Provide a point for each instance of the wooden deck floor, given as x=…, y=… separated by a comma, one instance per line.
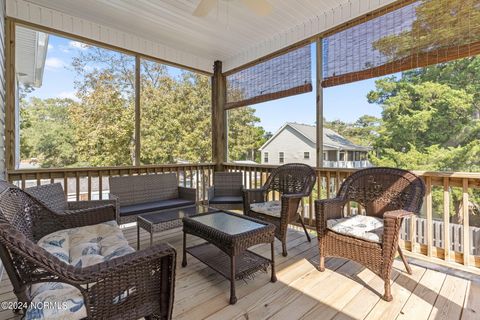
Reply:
x=344, y=291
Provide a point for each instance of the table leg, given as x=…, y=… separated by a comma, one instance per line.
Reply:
x=233, y=297
x=184, y=260
x=274, y=276
x=138, y=237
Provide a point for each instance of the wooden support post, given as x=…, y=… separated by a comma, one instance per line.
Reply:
x=11, y=88
x=319, y=103
x=219, y=130
x=137, y=111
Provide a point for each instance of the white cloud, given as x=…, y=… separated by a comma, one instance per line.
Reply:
x=68, y=95
x=54, y=63
x=78, y=45
x=50, y=47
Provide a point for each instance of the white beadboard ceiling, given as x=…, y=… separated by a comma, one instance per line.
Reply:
x=166, y=29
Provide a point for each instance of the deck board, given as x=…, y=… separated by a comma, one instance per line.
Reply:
x=345, y=291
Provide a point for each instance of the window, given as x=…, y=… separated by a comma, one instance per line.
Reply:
x=306, y=155
x=75, y=103
x=175, y=108
x=265, y=157
x=324, y=156
x=281, y=157
x=342, y=156
x=75, y=106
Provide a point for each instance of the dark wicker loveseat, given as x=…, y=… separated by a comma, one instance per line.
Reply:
x=388, y=195
x=148, y=192
x=137, y=284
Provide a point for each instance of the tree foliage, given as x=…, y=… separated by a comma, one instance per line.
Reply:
x=98, y=127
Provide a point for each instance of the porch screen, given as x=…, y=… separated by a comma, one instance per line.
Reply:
x=278, y=77
x=415, y=34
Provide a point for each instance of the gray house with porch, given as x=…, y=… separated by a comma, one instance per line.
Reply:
x=296, y=142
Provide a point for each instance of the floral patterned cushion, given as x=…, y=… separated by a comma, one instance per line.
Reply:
x=80, y=247
x=358, y=226
x=271, y=208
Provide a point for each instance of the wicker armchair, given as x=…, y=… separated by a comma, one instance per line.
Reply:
x=226, y=192
x=53, y=196
x=388, y=195
x=293, y=181
x=135, y=285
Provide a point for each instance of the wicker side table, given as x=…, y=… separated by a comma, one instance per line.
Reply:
x=162, y=220
x=228, y=237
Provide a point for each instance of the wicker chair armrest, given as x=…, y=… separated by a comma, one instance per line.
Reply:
x=328, y=209
x=254, y=195
x=397, y=214
x=251, y=196
x=187, y=193
x=392, y=222
x=293, y=196
x=128, y=263
x=86, y=217
x=290, y=203
x=77, y=205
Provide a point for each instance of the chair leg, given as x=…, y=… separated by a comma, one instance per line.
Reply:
x=321, y=264
x=388, y=294
x=284, y=248
x=304, y=228
x=405, y=262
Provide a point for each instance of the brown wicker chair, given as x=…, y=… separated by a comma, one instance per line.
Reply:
x=226, y=192
x=53, y=196
x=135, y=285
x=293, y=181
x=387, y=194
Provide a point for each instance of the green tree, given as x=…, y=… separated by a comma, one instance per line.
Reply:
x=245, y=137
x=46, y=132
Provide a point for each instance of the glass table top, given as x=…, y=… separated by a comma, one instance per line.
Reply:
x=227, y=223
x=174, y=214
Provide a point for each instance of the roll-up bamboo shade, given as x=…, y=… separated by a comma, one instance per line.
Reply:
x=282, y=76
x=419, y=34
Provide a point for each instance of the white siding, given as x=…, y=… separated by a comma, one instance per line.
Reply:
x=293, y=145
x=57, y=20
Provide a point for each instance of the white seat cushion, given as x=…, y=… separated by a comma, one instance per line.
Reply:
x=271, y=208
x=358, y=226
x=80, y=247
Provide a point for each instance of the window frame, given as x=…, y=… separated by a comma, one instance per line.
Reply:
x=11, y=146
x=281, y=157
x=306, y=155
x=265, y=157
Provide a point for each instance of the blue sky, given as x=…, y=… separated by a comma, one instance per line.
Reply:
x=346, y=102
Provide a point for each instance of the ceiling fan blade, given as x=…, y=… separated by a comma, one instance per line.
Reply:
x=204, y=7
x=260, y=7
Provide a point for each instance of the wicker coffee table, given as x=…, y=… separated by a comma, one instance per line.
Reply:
x=228, y=237
x=162, y=220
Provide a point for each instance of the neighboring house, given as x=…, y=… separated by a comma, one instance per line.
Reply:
x=295, y=142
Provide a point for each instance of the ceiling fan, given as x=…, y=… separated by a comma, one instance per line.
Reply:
x=259, y=7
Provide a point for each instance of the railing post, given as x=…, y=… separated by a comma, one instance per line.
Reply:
x=466, y=223
x=446, y=218
x=219, y=130
x=429, y=207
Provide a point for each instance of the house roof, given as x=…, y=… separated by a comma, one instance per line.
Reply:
x=331, y=138
x=30, y=55
x=167, y=29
